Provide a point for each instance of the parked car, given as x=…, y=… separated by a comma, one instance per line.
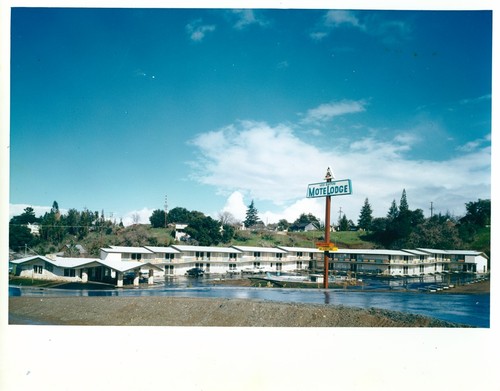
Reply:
x=195, y=272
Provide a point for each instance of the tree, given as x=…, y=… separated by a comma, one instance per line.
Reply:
x=365, y=216
x=392, y=214
x=157, y=218
x=403, y=203
x=226, y=217
x=19, y=237
x=478, y=213
x=435, y=233
x=283, y=225
x=344, y=224
x=205, y=230
x=252, y=217
x=178, y=215
x=304, y=220
x=227, y=233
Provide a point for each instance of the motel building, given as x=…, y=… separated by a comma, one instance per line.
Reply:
x=119, y=263
x=422, y=261
x=83, y=270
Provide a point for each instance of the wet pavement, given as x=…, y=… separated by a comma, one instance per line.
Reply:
x=398, y=294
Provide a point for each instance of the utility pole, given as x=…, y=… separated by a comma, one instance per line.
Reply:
x=432, y=209
x=340, y=213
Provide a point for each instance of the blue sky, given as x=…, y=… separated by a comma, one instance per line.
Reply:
x=114, y=109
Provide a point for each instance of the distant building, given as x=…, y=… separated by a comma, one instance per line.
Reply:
x=34, y=228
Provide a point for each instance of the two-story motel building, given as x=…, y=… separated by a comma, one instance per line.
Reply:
x=158, y=262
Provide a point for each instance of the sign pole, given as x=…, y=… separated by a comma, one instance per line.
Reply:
x=328, y=189
x=328, y=178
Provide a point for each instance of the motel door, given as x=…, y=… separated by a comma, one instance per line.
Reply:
x=354, y=267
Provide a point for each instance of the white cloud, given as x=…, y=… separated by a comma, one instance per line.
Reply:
x=476, y=100
x=141, y=215
x=247, y=17
x=333, y=19
x=388, y=31
x=327, y=111
x=336, y=18
x=197, y=30
x=268, y=163
x=475, y=144
x=236, y=206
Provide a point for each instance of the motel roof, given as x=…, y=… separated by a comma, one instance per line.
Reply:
x=209, y=249
x=74, y=263
x=162, y=250
x=124, y=249
x=59, y=261
x=259, y=249
x=370, y=251
x=433, y=251
x=465, y=252
x=300, y=249
x=415, y=252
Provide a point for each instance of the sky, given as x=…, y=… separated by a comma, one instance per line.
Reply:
x=118, y=110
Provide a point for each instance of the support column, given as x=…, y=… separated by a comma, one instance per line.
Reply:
x=151, y=275
x=85, y=275
x=136, y=277
x=119, y=279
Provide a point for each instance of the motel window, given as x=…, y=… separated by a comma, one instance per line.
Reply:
x=208, y=255
x=279, y=256
x=256, y=254
x=232, y=256
x=49, y=267
x=232, y=266
x=299, y=264
x=169, y=256
x=199, y=254
x=256, y=264
x=279, y=266
x=69, y=272
x=136, y=257
x=299, y=253
x=38, y=269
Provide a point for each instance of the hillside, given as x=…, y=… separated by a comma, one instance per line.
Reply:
x=144, y=235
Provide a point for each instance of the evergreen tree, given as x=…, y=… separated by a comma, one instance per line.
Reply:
x=392, y=214
x=343, y=223
x=403, y=203
x=365, y=216
x=252, y=217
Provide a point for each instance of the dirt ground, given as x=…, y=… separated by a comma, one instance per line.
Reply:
x=175, y=311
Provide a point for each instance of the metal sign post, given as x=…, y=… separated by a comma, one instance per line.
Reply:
x=328, y=189
x=328, y=178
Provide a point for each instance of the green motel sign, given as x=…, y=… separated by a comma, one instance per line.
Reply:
x=327, y=189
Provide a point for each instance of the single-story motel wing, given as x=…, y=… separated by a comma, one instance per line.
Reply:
x=116, y=262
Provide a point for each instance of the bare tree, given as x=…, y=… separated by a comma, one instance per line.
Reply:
x=135, y=218
x=227, y=218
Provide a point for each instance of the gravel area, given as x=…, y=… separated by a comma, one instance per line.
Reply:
x=176, y=311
